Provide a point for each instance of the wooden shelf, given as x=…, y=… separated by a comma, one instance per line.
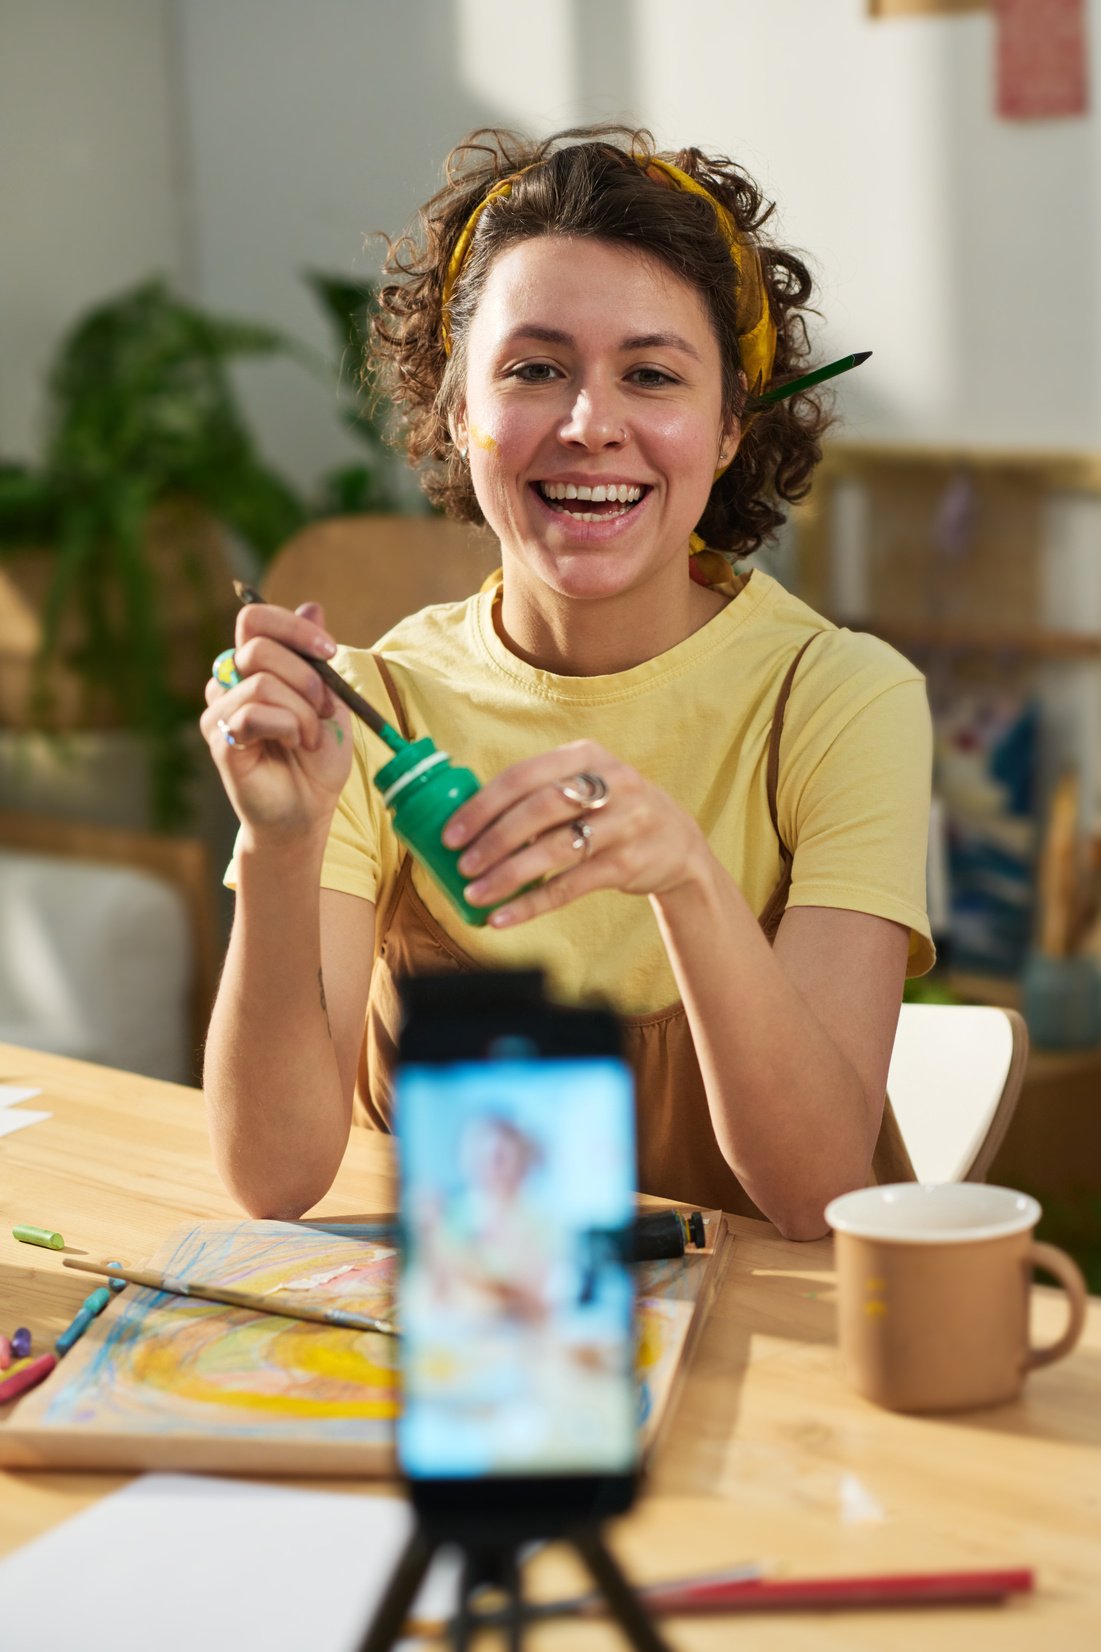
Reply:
x=1005, y=992
x=1074, y=472
x=980, y=639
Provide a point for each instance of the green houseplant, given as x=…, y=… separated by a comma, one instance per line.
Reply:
x=353, y=488
x=143, y=431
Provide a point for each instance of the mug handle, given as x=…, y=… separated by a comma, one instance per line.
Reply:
x=1069, y=1275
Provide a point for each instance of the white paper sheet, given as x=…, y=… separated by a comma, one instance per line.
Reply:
x=180, y=1562
x=16, y=1118
x=11, y=1093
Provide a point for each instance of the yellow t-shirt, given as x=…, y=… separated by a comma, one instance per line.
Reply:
x=853, y=792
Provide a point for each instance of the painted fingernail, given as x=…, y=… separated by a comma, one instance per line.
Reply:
x=454, y=833
x=324, y=646
x=474, y=892
x=501, y=918
x=470, y=863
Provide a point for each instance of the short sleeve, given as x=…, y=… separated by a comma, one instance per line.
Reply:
x=857, y=808
x=352, y=862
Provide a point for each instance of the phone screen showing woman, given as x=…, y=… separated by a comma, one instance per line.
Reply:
x=516, y=1301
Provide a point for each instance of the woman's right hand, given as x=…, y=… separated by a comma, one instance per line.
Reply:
x=291, y=746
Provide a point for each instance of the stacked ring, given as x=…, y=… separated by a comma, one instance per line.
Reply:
x=224, y=670
x=582, y=837
x=588, y=791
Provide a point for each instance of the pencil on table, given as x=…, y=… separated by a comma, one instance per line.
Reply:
x=744, y=1590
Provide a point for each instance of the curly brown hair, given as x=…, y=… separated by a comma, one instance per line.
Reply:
x=592, y=181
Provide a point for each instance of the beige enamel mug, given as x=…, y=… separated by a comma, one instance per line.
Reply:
x=934, y=1282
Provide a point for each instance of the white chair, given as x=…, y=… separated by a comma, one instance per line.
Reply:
x=109, y=946
x=955, y=1076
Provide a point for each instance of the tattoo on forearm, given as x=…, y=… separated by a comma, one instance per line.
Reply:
x=324, y=1005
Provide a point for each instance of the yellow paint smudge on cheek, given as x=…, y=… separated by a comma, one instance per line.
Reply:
x=482, y=439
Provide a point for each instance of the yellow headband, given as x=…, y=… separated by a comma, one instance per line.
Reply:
x=756, y=331
x=462, y=247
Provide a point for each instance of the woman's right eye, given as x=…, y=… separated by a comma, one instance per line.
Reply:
x=534, y=372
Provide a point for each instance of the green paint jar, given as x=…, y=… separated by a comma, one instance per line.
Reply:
x=423, y=788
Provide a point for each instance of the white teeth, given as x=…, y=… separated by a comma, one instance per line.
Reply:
x=623, y=492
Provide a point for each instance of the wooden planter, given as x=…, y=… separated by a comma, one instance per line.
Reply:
x=186, y=551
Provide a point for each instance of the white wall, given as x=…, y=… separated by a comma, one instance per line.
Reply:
x=965, y=251
x=87, y=204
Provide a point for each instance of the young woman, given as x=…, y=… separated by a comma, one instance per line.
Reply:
x=703, y=802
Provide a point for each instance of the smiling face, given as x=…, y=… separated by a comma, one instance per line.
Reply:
x=593, y=416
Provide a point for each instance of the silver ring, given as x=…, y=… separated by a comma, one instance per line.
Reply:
x=228, y=735
x=581, y=837
x=588, y=791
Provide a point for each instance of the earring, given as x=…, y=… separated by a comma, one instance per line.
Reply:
x=462, y=455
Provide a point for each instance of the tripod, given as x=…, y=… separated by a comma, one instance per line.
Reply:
x=490, y=1557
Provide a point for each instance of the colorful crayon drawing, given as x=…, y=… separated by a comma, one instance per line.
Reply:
x=166, y=1381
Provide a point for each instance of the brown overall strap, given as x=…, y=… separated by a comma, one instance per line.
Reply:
x=776, y=904
x=388, y=684
x=405, y=870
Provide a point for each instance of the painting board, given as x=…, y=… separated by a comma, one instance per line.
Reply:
x=169, y=1382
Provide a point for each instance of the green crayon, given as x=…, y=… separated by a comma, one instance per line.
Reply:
x=38, y=1236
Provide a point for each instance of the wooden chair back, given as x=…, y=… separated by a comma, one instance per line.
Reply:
x=368, y=572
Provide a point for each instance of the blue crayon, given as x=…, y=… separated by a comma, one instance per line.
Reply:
x=72, y=1333
x=91, y=1306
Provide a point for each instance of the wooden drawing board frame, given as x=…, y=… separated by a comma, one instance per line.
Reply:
x=28, y=1441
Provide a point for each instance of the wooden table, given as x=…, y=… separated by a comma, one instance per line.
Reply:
x=767, y=1457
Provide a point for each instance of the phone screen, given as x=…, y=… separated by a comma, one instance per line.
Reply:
x=516, y=1303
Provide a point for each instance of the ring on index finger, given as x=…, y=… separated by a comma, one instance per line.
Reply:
x=588, y=791
x=224, y=670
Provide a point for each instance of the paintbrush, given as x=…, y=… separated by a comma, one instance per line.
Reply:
x=333, y=680
x=281, y=1309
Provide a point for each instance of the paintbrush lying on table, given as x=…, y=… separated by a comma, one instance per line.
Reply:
x=281, y=1309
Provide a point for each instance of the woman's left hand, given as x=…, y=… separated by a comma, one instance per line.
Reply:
x=523, y=829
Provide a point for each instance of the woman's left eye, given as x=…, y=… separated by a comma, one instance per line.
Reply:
x=651, y=377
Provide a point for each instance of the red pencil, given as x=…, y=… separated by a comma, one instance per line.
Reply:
x=27, y=1376
x=753, y=1594
x=821, y=1593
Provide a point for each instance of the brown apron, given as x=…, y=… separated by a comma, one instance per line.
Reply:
x=679, y=1157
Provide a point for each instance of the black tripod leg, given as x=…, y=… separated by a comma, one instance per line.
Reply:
x=386, y=1625
x=497, y=1566
x=623, y=1604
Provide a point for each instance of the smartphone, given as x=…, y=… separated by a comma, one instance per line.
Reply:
x=515, y=1125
